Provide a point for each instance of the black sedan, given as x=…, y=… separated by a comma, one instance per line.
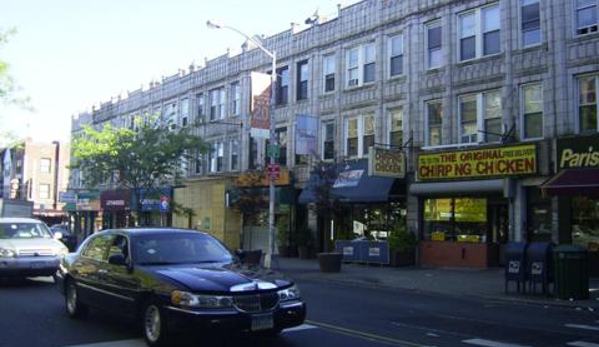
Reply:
x=176, y=280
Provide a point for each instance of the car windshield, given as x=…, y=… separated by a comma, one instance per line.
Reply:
x=178, y=248
x=24, y=231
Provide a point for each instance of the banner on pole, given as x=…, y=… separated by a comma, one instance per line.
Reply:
x=260, y=105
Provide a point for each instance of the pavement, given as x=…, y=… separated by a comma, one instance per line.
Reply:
x=485, y=284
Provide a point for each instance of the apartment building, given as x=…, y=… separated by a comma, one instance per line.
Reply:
x=483, y=99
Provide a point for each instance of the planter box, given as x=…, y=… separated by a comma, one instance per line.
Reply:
x=330, y=262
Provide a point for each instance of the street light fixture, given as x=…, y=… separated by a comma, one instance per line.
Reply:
x=269, y=259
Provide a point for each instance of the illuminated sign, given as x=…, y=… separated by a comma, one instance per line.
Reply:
x=386, y=162
x=479, y=163
x=578, y=152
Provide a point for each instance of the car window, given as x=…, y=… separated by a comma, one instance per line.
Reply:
x=24, y=231
x=178, y=248
x=119, y=245
x=97, y=248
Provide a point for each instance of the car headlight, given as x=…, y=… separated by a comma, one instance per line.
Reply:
x=187, y=299
x=7, y=253
x=291, y=293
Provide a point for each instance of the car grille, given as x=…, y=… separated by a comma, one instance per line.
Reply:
x=256, y=302
x=36, y=253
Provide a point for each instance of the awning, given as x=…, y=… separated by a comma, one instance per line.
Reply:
x=457, y=187
x=573, y=182
x=352, y=185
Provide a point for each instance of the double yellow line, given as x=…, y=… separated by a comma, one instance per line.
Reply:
x=364, y=335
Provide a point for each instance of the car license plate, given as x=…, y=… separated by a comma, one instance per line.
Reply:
x=38, y=264
x=262, y=322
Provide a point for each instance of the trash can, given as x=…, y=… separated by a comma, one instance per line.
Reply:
x=539, y=265
x=515, y=265
x=571, y=272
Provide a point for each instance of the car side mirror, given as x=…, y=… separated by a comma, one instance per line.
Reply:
x=240, y=253
x=117, y=259
x=57, y=235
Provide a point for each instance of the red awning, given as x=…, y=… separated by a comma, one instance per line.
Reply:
x=573, y=182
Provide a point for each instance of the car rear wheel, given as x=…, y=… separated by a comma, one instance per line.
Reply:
x=154, y=325
x=75, y=308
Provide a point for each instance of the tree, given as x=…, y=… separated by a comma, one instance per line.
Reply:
x=143, y=159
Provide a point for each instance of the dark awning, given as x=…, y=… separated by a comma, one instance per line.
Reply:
x=352, y=185
x=573, y=182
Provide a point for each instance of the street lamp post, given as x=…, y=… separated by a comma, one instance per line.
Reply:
x=269, y=260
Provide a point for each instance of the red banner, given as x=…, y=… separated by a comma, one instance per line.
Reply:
x=260, y=105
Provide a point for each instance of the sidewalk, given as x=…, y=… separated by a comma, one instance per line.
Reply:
x=487, y=284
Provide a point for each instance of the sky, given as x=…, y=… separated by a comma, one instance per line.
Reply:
x=68, y=55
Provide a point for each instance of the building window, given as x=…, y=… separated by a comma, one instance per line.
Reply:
x=45, y=165
x=253, y=154
x=328, y=68
x=281, y=136
x=587, y=103
x=369, y=62
x=328, y=140
x=351, y=135
x=236, y=102
x=480, y=117
x=396, y=55
x=532, y=111
x=234, y=160
x=479, y=32
x=455, y=220
x=214, y=97
x=396, y=128
x=530, y=17
x=586, y=16
x=171, y=115
x=493, y=126
x=302, y=80
x=353, y=76
x=200, y=103
x=282, y=86
x=359, y=135
x=585, y=230
x=198, y=163
x=434, y=118
x=434, y=45
x=368, y=133
x=216, y=157
x=44, y=191
x=222, y=103
x=468, y=119
x=184, y=112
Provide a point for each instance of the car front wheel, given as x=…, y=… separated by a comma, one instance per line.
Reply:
x=75, y=308
x=154, y=325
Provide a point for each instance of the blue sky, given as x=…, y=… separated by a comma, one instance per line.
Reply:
x=70, y=54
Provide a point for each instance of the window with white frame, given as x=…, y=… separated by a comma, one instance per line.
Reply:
x=282, y=95
x=434, y=120
x=281, y=136
x=480, y=117
x=587, y=103
x=532, y=111
x=198, y=163
x=369, y=63
x=222, y=103
x=479, y=32
x=183, y=161
x=216, y=157
x=170, y=112
x=396, y=55
x=361, y=65
x=434, y=45
x=236, y=101
x=200, y=104
x=353, y=74
x=302, y=80
x=328, y=140
x=328, y=72
x=45, y=165
x=359, y=135
x=214, y=97
x=184, y=112
x=44, y=191
x=234, y=156
x=530, y=21
x=396, y=127
x=586, y=16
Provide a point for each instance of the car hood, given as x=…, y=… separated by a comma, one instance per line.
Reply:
x=222, y=278
x=31, y=244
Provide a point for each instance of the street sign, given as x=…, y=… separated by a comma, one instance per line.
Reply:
x=273, y=171
x=274, y=151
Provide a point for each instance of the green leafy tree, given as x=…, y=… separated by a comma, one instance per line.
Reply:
x=141, y=160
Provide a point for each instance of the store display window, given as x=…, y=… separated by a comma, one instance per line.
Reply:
x=585, y=222
x=455, y=219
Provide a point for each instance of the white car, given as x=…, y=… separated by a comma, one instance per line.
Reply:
x=27, y=248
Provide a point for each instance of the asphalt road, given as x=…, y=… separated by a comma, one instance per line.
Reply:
x=32, y=314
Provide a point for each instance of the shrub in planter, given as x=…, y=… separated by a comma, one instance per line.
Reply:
x=402, y=245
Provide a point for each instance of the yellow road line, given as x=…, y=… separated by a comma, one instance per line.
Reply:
x=364, y=335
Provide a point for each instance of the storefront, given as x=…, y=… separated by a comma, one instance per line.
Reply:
x=463, y=203
x=365, y=198
x=84, y=212
x=576, y=188
x=155, y=206
x=115, y=208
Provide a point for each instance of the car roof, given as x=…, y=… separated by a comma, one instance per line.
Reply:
x=19, y=220
x=149, y=231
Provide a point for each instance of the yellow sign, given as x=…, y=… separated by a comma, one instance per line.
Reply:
x=253, y=179
x=386, y=162
x=437, y=236
x=478, y=163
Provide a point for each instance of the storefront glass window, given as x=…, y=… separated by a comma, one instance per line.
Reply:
x=539, y=216
x=374, y=221
x=460, y=219
x=585, y=222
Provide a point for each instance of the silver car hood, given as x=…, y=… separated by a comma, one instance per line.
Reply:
x=20, y=245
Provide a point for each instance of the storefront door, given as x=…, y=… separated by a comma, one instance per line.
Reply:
x=498, y=219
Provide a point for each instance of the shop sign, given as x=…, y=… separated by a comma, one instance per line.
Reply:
x=349, y=178
x=115, y=200
x=254, y=179
x=437, y=236
x=88, y=201
x=479, y=163
x=578, y=152
x=386, y=162
x=68, y=197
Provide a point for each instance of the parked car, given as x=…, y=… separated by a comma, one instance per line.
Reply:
x=68, y=238
x=28, y=248
x=176, y=280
